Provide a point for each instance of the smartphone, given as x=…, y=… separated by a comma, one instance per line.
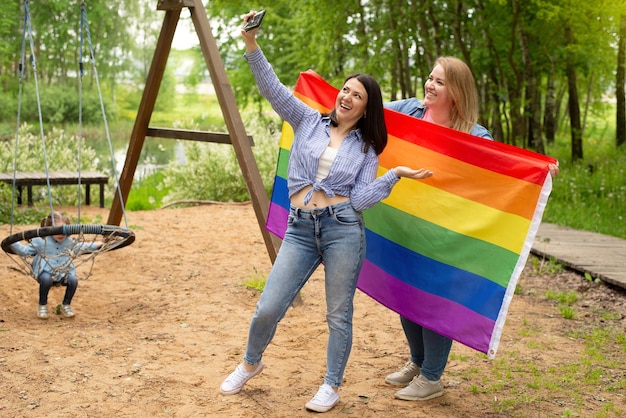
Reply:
x=255, y=22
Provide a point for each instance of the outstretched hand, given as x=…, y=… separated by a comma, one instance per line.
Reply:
x=411, y=173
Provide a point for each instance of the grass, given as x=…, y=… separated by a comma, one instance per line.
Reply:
x=565, y=301
x=518, y=383
x=572, y=363
x=256, y=281
x=546, y=265
x=148, y=193
x=566, y=297
x=590, y=194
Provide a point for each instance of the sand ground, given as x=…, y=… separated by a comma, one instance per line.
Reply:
x=160, y=323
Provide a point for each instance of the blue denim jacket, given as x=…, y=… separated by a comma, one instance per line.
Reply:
x=414, y=107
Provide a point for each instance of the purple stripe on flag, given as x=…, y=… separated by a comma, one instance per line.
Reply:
x=442, y=316
x=277, y=220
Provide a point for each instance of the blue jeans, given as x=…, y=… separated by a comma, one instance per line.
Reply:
x=46, y=282
x=429, y=350
x=334, y=235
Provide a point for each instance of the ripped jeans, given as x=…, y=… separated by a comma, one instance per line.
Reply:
x=334, y=235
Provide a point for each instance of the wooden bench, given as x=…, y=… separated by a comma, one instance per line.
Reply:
x=56, y=178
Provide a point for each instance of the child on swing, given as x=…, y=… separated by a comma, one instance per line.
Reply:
x=52, y=264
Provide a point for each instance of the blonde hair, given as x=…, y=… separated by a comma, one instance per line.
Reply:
x=461, y=88
x=59, y=219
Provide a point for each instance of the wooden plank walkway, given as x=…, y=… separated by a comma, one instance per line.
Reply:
x=601, y=256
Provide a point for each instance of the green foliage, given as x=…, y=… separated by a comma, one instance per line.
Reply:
x=59, y=105
x=256, y=281
x=567, y=312
x=590, y=278
x=566, y=298
x=212, y=172
x=147, y=193
x=61, y=154
x=11, y=214
x=167, y=91
x=8, y=107
x=546, y=266
x=590, y=194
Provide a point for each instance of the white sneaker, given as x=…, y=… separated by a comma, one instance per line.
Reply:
x=324, y=399
x=235, y=381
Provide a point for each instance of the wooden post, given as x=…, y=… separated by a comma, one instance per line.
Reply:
x=238, y=137
x=146, y=107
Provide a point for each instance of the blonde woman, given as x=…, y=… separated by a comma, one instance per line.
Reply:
x=451, y=100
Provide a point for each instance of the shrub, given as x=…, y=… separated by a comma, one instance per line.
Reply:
x=212, y=172
x=60, y=105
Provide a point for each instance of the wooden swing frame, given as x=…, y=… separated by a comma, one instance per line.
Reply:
x=236, y=132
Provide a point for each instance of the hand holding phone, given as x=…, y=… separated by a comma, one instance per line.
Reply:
x=255, y=22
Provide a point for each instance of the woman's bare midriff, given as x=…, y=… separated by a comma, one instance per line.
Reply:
x=318, y=200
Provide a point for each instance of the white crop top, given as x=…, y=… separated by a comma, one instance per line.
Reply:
x=326, y=160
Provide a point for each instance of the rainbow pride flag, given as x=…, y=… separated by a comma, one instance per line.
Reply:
x=445, y=252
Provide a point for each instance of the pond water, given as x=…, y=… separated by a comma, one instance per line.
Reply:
x=156, y=154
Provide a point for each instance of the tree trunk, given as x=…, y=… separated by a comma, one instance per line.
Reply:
x=494, y=100
x=535, y=137
x=459, y=18
x=516, y=84
x=532, y=102
x=587, y=103
x=573, y=105
x=620, y=83
x=549, y=112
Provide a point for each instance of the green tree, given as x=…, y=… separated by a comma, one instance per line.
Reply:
x=56, y=37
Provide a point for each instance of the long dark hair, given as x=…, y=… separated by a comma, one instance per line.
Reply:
x=372, y=125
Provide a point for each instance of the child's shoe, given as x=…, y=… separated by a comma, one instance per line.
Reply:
x=67, y=311
x=42, y=312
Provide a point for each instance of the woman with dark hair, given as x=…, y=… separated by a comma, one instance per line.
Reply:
x=331, y=178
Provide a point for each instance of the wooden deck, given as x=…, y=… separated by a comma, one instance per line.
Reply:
x=601, y=256
x=29, y=180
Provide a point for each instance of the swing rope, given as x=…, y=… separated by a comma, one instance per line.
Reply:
x=85, y=31
x=27, y=30
x=84, y=237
